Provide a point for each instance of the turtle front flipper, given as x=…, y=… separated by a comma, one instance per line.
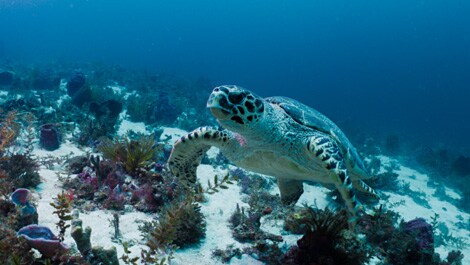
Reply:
x=189, y=150
x=290, y=190
x=327, y=151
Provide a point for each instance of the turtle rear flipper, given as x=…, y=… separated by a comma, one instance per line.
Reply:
x=189, y=150
x=364, y=188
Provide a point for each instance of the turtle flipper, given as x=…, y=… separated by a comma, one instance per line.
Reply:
x=325, y=149
x=364, y=188
x=189, y=150
x=290, y=190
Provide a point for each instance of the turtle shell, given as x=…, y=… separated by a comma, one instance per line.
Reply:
x=313, y=119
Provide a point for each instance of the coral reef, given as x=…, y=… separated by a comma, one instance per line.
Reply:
x=78, y=89
x=75, y=82
x=423, y=233
x=21, y=171
x=76, y=164
x=130, y=174
x=410, y=243
x=386, y=180
x=246, y=227
x=227, y=254
x=44, y=79
x=80, y=235
x=115, y=199
x=296, y=222
x=9, y=130
x=108, y=109
x=326, y=241
x=164, y=112
x=13, y=248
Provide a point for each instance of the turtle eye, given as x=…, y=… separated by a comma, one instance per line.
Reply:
x=236, y=98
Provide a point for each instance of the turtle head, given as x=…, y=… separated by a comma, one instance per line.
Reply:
x=235, y=107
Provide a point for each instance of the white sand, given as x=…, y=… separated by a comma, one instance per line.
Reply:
x=126, y=126
x=219, y=207
x=448, y=213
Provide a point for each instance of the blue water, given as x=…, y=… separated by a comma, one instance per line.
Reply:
x=396, y=66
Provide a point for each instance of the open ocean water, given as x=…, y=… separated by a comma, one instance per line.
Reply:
x=378, y=66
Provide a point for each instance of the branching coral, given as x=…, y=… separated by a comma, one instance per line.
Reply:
x=9, y=130
x=21, y=170
x=63, y=207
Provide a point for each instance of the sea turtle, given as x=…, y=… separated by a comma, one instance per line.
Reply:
x=275, y=136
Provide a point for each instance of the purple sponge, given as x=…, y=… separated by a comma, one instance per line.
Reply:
x=423, y=231
x=42, y=239
x=20, y=197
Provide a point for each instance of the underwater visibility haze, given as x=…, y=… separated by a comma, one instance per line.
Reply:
x=396, y=66
x=243, y=132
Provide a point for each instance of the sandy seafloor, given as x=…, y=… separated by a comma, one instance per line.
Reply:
x=219, y=207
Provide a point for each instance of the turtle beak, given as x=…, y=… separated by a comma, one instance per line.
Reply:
x=215, y=103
